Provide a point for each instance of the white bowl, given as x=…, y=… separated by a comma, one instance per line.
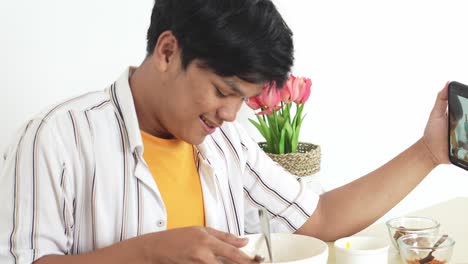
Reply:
x=361, y=250
x=289, y=248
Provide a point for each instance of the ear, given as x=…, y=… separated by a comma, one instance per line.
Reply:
x=166, y=52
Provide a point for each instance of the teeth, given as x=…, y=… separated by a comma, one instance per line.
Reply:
x=206, y=122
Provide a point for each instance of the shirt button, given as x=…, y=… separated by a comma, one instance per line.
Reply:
x=160, y=223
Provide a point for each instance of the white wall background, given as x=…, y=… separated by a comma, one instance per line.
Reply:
x=376, y=68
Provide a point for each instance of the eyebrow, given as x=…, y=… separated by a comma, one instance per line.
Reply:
x=234, y=87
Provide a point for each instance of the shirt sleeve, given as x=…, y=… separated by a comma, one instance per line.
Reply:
x=266, y=184
x=36, y=212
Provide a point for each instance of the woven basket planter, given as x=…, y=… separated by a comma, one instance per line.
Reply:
x=305, y=162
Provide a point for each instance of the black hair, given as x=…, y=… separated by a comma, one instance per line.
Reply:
x=244, y=38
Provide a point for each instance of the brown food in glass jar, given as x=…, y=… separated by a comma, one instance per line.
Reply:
x=399, y=234
x=434, y=261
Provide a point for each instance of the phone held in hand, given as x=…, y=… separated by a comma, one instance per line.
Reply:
x=458, y=124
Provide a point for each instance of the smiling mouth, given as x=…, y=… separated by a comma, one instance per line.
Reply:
x=208, y=123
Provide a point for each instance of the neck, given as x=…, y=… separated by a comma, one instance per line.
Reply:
x=142, y=83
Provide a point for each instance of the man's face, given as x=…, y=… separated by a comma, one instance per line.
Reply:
x=196, y=101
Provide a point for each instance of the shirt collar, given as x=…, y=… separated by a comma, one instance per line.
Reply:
x=121, y=96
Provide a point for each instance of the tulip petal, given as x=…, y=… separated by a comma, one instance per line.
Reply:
x=254, y=103
x=265, y=112
x=306, y=92
x=270, y=96
x=285, y=95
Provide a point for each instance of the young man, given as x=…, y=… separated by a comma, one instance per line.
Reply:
x=154, y=170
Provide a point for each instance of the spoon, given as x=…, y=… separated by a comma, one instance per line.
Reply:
x=265, y=225
x=258, y=258
x=429, y=256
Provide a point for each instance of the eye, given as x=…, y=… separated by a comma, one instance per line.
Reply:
x=219, y=93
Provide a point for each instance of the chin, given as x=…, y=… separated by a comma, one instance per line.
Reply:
x=198, y=141
x=195, y=140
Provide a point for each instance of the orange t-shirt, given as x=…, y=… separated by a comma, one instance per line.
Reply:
x=172, y=164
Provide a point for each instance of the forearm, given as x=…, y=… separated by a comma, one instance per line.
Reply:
x=352, y=207
x=128, y=251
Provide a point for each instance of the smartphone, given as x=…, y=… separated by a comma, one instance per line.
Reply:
x=458, y=124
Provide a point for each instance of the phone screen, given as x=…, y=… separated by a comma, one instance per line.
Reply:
x=458, y=124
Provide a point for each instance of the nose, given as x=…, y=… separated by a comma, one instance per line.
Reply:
x=229, y=110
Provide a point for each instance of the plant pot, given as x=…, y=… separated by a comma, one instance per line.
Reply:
x=305, y=162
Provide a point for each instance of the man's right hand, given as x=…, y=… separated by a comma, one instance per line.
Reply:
x=181, y=245
x=195, y=245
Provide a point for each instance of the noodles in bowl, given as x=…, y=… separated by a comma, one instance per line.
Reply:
x=288, y=248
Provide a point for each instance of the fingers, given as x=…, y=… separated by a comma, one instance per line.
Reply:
x=231, y=254
x=228, y=238
x=227, y=261
x=226, y=247
x=440, y=107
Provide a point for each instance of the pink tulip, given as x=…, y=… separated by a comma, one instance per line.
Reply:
x=270, y=96
x=286, y=91
x=295, y=87
x=288, y=94
x=285, y=95
x=254, y=103
x=303, y=88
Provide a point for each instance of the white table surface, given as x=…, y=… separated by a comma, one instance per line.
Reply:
x=453, y=218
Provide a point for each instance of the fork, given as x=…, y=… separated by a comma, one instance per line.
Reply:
x=429, y=256
x=265, y=226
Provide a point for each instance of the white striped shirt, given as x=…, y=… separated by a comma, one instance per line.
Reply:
x=75, y=180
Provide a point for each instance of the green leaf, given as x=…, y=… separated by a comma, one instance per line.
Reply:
x=281, y=142
x=287, y=112
x=280, y=133
x=259, y=128
x=294, y=142
x=275, y=122
x=266, y=131
x=274, y=134
x=281, y=121
x=288, y=137
x=297, y=117
x=299, y=123
x=288, y=129
x=296, y=135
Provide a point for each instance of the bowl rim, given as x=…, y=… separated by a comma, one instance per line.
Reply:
x=378, y=250
x=388, y=223
x=324, y=249
x=401, y=244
